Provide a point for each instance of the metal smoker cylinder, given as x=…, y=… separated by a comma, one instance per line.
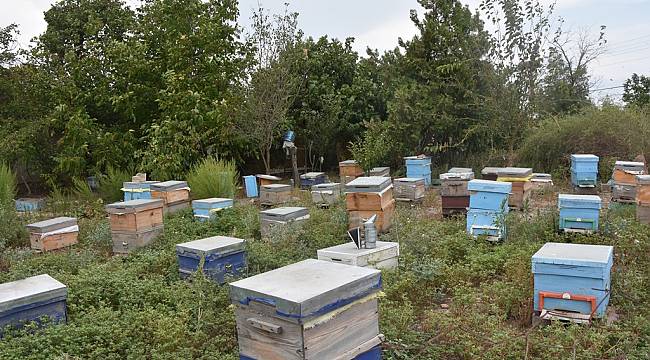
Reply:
x=370, y=232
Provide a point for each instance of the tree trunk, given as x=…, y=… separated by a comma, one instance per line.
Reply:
x=294, y=165
x=266, y=158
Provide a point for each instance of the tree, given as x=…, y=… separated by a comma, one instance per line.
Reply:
x=636, y=90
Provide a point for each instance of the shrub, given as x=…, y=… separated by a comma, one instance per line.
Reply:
x=110, y=185
x=375, y=148
x=12, y=229
x=213, y=178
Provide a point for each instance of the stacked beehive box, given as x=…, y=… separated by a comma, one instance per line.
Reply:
x=309, y=310
x=379, y=171
x=29, y=204
x=250, y=186
x=579, y=213
x=135, y=190
x=326, y=194
x=175, y=195
x=409, y=189
x=488, y=208
x=275, y=194
x=135, y=223
x=349, y=170
x=572, y=281
x=219, y=257
x=368, y=196
x=521, y=185
x=384, y=256
x=490, y=173
x=643, y=199
x=53, y=234
x=207, y=209
x=541, y=181
x=624, y=181
x=584, y=172
x=268, y=179
x=272, y=219
x=33, y=299
x=454, y=193
x=312, y=178
x=419, y=167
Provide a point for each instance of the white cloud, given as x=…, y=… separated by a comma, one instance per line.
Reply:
x=384, y=36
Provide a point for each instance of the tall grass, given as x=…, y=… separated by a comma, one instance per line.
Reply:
x=213, y=178
x=7, y=184
x=110, y=185
x=11, y=228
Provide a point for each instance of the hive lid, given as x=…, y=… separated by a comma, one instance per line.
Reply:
x=368, y=184
x=28, y=291
x=168, y=185
x=584, y=157
x=411, y=181
x=284, y=213
x=348, y=163
x=212, y=245
x=629, y=166
x=276, y=187
x=138, y=184
x=489, y=186
x=541, y=176
x=460, y=170
x=312, y=175
x=579, y=201
x=417, y=157
x=52, y=224
x=208, y=203
x=326, y=186
x=574, y=254
x=515, y=172
x=131, y=206
x=350, y=250
x=307, y=288
x=268, y=177
x=643, y=179
x=490, y=170
x=380, y=170
x=457, y=176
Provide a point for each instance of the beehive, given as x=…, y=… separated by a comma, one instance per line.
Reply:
x=455, y=183
x=268, y=179
x=272, y=219
x=312, y=178
x=380, y=171
x=32, y=299
x=384, y=256
x=275, y=194
x=625, y=172
x=488, y=208
x=349, y=170
x=367, y=196
x=308, y=310
x=579, y=212
x=175, y=195
x=624, y=193
x=220, y=257
x=326, y=194
x=53, y=234
x=643, y=199
x=584, y=170
x=572, y=280
x=409, y=189
x=541, y=181
x=490, y=173
x=29, y=204
x=206, y=209
x=250, y=183
x=419, y=167
x=454, y=205
x=521, y=185
x=137, y=190
x=135, y=223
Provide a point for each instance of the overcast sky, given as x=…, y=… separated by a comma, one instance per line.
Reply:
x=378, y=24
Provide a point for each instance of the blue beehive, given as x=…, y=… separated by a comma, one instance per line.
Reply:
x=29, y=204
x=206, y=209
x=32, y=299
x=584, y=170
x=490, y=223
x=579, y=212
x=137, y=190
x=489, y=195
x=250, y=183
x=222, y=257
x=572, y=278
x=419, y=167
x=312, y=178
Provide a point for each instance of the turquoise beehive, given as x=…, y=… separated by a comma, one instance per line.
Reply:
x=419, y=167
x=579, y=212
x=584, y=170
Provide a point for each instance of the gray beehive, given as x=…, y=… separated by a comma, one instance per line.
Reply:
x=168, y=186
x=276, y=188
x=50, y=225
x=368, y=184
x=515, y=172
x=384, y=256
x=284, y=213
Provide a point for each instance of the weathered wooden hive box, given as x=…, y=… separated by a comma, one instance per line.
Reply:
x=29, y=204
x=384, y=256
x=419, y=167
x=53, y=234
x=309, y=310
x=250, y=185
x=625, y=172
x=312, y=178
x=137, y=190
x=379, y=171
x=367, y=196
x=326, y=194
x=490, y=173
x=572, y=279
x=275, y=194
x=579, y=213
x=349, y=170
x=268, y=179
x=488, y=208
x=272, y=219
x=135, y=223
x=207, y=209
x=455, y=183
x=409, y=189
x=541, y=181
x=643, y=199
x=175, y=194
x=521, y=185
x=624, y=193
x=584, y=170
x=32, y=299
x=221, y=257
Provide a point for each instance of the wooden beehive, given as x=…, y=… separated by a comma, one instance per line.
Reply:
x=350, y=168
x=643, y=213
x=379, y=171
x=490, y=173
x=135, y=223
x=275, y=194
x=521, y=185
x=53, y=234
x=643, y=189
x=454, y=205
x=384, y=256
x=624, y=193
x=455, y=183
x=384, y=217
x=272, y=219
x=312, y=178
x=326, y=194
x=219, y=257
x=308, y=310
x=175, y=194
x=409, y=189
x=360, y=201
x=268, y=179
x=625, y=172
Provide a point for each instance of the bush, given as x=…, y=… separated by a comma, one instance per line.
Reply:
x=375, y=148
x=213, y=178
x=110, y=185
x=12, y=229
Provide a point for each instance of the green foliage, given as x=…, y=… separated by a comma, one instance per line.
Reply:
x=213, y=178
x=110, y=185
x=375, y=148
x=637, y=90
x=7, y=184
x=12, y=228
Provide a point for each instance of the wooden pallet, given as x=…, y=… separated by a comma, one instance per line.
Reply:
x=624, y=200
x=565, y=316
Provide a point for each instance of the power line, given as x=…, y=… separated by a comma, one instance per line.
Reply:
x=607, y=88
x=624, y=61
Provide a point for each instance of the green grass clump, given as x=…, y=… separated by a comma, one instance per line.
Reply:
x=110, y=185
x=11, y=228
x=213, y=178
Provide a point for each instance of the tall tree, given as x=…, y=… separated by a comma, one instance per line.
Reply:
x=637, y=90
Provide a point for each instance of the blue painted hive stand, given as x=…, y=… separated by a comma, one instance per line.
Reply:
x=419, y=167
x=572, y=281
x=207, y=209
x=221, y=257
x=579, y=213
x=584, y=170
x=309, y=310
x=312, y=178
x=137, y=190
x=32, y=299
x=29, y=204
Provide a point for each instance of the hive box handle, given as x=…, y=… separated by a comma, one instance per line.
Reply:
x=264, y=326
